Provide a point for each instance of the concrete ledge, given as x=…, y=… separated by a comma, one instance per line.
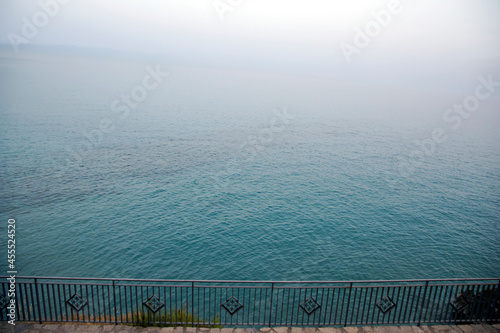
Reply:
x=93, y=328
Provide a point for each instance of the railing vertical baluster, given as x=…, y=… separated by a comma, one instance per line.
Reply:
x=125, y=302
x=89, y=298
x=93, y=303
x=305, y=297
x=271, y=305
x=445, y=305
x=423, y=303
x=61, y=310
x=277, y=305
x=192, y=304
x=337, y=307
x=371, y=304
x=254, y=303
x=104, y=303
x=98, y=303
x=288, y=299
x=482, y=288
x=43, y=301
x=20, y=296
x=321, y=302
x=361, y=289
x=109, y=303
x=55, y=305
x=38, y=303
x=260, y=305
x=181, y=287
x=249, y=303
x=26, y=301
x=470, y=314
x=137, y=307
x=462, y=313
x=377, y=298
x=83, y=308
x=241, y=312
x=165, y=307
x=175, y=304
x=331, y=306
x=120, y=302
x=215, y=302
x=348, y=304
x=282, y=307
x=300, y=301
x=431, y=312
x=393, y=289
x=114, y=302
x=220, y=302
x=364, y=307
x=405, y=320
x=209, y=302
x=70, y=293
x=353, y=306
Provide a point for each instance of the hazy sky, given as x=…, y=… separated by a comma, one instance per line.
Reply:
x=444, y=29
x=444, y=42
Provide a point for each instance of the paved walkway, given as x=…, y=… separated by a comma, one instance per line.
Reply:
x=46, y=328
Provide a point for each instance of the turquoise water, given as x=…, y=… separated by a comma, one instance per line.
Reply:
x=204, y=181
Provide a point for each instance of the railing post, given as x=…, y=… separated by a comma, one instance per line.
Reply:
x=38, y=303
x=271, y=305
x=348, y=303
x=423, y=303
x=496, y=299
x=114, y=302
x=494, y=303
x=192, y=304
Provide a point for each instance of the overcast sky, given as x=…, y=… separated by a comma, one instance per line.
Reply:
x=443, y=41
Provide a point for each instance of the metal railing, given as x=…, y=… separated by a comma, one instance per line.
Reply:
x=251, y=303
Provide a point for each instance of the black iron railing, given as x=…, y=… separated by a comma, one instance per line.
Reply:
x=251, y=303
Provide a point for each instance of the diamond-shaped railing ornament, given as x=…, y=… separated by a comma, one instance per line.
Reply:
x=310, y=305
x=3, y=301
x=385, y=304
x=77, y=302
x=154, y=304
x=232, y=305
x=459, y=302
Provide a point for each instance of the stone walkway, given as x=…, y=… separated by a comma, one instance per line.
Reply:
x=46, y=328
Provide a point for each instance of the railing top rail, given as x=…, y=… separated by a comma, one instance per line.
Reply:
x=248, y=281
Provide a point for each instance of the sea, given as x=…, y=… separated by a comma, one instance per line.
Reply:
x=127, y=168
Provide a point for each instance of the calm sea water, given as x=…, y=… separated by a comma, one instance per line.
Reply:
x=232, y=175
